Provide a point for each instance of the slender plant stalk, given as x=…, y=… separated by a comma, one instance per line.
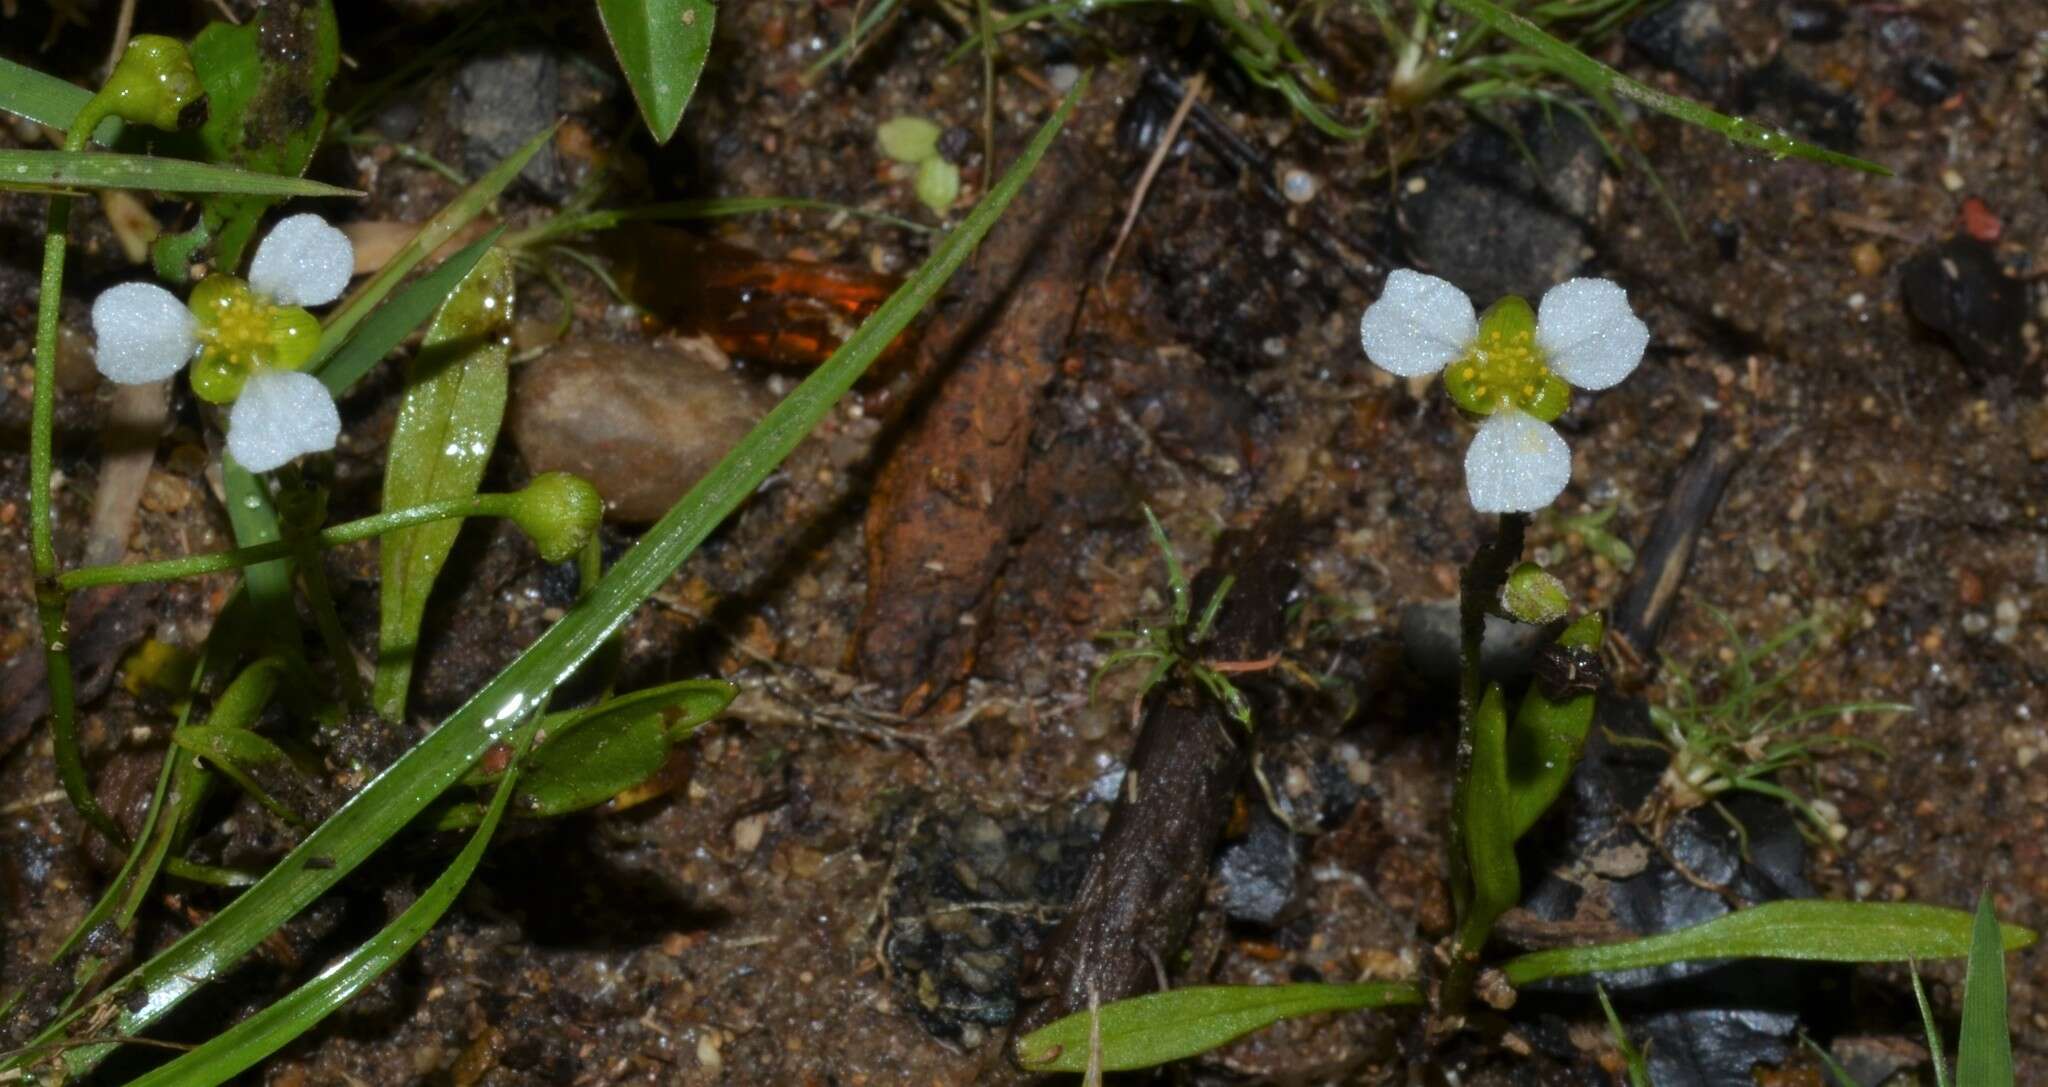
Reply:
x=50, y=596
x=482, y=505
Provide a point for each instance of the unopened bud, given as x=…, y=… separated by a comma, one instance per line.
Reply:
x=153, y=84
x=560, y=513
x=1533, y=596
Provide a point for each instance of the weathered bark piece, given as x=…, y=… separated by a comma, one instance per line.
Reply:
x=1152, y=866
x=947, y=500
x=1646, y=605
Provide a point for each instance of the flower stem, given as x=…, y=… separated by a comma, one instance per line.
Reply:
x=482, y=505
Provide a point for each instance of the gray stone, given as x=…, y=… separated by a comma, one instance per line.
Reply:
x=1499, y=219
x=502, y=101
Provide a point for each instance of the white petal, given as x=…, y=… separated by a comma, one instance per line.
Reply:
x=281, y=415
x=144, y=333
x=304, y=262
x=1587, y=333
x=1516, y=464
x=1419, y=325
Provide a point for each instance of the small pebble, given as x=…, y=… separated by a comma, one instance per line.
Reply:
x=641, y=423
x=1813, y=20
x=1928, y=81
x=1298, y=184
x=1869, y=260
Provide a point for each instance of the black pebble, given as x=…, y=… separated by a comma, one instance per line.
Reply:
x=1928, y=81
x=1813, y=20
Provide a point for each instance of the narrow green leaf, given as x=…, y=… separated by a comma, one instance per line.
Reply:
x=232, y=751
x=1932, y=1030
x=661, y=46
x=239, y=1047
x=266, y=96
x=1984, y=1055
x=392, y=322
x=1638, y=1064
x=403, y=789
x=682, y=706
x=1547, y=739
x=447, y=426
x=1804, y=929
x=1598, y=78
x=254, y=521
x=1151, y=1030
x=581, y=770
x=47, y=100
x=45, y=170
x=1482, y=806
x=467, y=205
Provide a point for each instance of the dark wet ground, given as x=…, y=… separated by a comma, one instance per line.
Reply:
x=864, y=849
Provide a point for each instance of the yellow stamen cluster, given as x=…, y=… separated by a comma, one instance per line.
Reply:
x=1505, y=369
x=241, y=331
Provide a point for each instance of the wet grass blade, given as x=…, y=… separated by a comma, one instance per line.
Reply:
x=467, y=205
x=237, y=1048
x=1984, y=1055
x=385, y=329
x=47, y=100
x=662, y=46
x=1932, y=1029
x=455, y=390
x=1803, y=929
x=45, y=170
x=1598, y=78
x=391, y=799
x=1156, y=1028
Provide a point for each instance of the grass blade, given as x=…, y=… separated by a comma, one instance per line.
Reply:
x=41, y=171
x=47, y=100
x=1598, y=78
x=1159, y=1027
x=1984, y=1055
x=467, y=205
x=1932, y=1029
x=406, y=787
x=455, y=390
x=1803, y=929
x=242, y=1045
x=662, y=46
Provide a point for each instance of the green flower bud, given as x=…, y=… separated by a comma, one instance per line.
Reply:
x=908, y=139
x=1533, y=596
x=153, y=84
x=938, y=184
x=559, y=512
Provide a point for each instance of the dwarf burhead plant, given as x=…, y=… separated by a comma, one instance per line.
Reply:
x=1512, y=370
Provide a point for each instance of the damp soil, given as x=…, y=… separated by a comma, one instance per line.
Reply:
x=863, y=858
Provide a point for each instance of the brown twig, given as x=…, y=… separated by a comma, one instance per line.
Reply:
x=1172, y=133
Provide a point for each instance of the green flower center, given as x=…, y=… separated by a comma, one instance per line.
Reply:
x=1505, y=369
x=240, y=331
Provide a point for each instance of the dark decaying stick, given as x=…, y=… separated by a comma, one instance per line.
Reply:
x=1150, y=871
x=1646, y=605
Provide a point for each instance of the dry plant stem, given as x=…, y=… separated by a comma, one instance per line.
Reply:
x=1150, y=872
x=1159, y=153
x=1479, y=585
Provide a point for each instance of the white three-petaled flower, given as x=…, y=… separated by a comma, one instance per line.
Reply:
x=1584, y=333
x=146, y=334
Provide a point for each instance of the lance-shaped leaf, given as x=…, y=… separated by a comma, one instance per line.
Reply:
x=1984, y=1055
x=661, y=46
x=1547, y=738
x=1159, y=1027
x=682, y=707
x=447, y=426
x=1803, y=929
x=47, y=100
x=1481, y=804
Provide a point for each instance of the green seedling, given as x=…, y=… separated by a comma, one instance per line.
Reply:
x=1177, y=643
x=1735, y=727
